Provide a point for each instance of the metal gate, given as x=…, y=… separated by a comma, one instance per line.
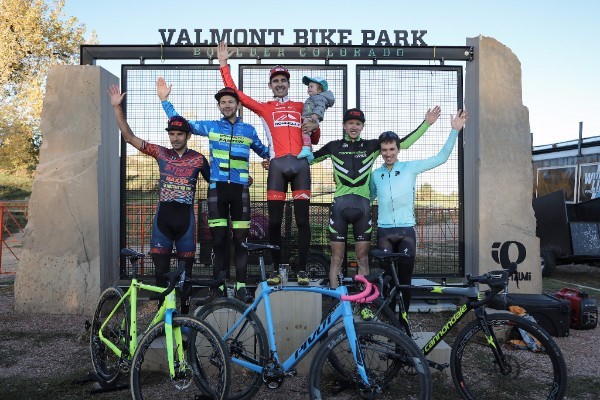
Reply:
x=392, y=97
x=396, y=97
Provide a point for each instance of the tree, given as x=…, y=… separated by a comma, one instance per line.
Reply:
x=35, y=36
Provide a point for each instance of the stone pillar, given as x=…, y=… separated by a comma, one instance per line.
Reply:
x=71, y=243
x=499, y=219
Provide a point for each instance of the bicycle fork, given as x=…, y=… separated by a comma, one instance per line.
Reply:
x=354, y=344
x=492, y=341
x=174, y=338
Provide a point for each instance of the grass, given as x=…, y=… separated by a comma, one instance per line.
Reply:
x=583, y=279
x=15, y=186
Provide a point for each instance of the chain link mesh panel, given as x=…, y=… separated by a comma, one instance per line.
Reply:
x=192, y=95
x=253, y=80
x=396, y=98
x=392, y=97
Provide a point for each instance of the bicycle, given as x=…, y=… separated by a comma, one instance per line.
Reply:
x=174, y=351
x=497, y=355
x=378, y=355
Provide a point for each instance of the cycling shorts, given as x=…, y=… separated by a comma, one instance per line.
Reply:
x=288, y=170
x=397, y=240
x=350, y=209
x=228, y=200
x=174, y=223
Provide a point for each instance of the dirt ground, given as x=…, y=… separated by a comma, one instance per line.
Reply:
x=46, y=356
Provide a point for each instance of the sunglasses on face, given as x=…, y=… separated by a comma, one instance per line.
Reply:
x=388, y=135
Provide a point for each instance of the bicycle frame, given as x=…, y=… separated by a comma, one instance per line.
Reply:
x=165, y=312
x=344, y=312
x=474, y=303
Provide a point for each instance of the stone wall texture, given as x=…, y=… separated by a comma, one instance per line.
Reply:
x=70, y=248
x=498, y=173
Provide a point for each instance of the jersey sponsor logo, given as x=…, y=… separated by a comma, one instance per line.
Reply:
x=286, y=118
x=301, y=194
x=182, y=180
x=179, y=171
x=275, y=195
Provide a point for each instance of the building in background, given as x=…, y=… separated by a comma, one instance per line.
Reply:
x=572, y=166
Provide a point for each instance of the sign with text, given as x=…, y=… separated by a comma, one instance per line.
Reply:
x=301, y=37
x=589, y=181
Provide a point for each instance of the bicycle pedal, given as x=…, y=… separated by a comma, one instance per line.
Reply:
x=291, y=373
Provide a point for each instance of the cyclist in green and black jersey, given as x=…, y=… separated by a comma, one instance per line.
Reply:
x=352, y=159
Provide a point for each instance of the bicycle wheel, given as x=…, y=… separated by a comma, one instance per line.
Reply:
x=206, y=364
x=105, y=362
x=248, y=342
x=394, y=365
x=531, y=373
x=384, y=316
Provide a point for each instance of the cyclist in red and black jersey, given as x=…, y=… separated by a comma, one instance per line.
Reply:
x=179, y=167
x=282, y=120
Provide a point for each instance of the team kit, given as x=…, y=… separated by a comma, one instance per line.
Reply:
x=292, y=129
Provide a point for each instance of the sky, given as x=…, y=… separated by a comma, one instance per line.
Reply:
x=556, y=42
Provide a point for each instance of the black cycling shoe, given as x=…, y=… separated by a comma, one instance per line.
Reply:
x=244, y=295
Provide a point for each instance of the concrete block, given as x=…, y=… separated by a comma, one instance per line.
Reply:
x=497, y=165
x=295, y=316
x=440, y=354
x=70, y=246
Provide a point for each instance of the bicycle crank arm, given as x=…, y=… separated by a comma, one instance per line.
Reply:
x=438, y=366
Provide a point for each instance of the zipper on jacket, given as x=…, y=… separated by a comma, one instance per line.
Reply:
x=391, y=196
x=230, y=144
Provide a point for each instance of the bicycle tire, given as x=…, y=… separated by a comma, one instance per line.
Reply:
x=107, y=365
x=248, y=341
x=532, y=375
x=393, y=362
x=206, y=364
x=385, y=316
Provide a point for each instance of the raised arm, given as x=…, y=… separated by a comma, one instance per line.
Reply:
x=116, y=98
x=163, y=90
x=430, y=117
x=457, y=122
x=223, y=55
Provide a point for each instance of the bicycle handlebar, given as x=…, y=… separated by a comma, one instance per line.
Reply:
x=172, y=277
x=369, y=294
x=496, y=280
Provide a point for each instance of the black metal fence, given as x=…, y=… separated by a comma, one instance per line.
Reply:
x=392, y=97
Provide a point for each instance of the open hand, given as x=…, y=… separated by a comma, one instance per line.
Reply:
x=162, y=90
x=223, y=54
x=116, y=97
x=458, y=121
x=432, y=115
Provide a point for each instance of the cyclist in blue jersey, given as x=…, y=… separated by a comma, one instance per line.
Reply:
x=179, y=168
x=230, y=142
x=393, y=184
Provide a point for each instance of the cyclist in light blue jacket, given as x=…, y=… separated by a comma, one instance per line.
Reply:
x=393, y=184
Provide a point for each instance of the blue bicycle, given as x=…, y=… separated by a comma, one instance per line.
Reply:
x=376, y=360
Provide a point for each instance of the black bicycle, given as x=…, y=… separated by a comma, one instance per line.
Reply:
x=497, y=355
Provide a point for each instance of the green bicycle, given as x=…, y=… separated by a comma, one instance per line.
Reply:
x=176, y=354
